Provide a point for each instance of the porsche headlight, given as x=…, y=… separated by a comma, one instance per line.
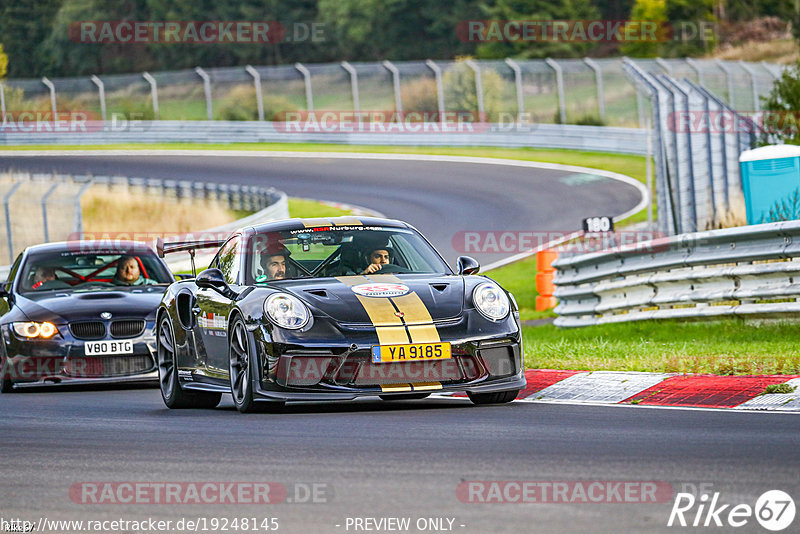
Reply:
x=286, y=311
x=491, y=301
x=32, y=330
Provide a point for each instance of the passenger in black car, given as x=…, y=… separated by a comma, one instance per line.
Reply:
x=129, y=274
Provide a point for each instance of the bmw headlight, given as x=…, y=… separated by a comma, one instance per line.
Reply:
x=286, y=311
x=491, y=301
x=32, y=330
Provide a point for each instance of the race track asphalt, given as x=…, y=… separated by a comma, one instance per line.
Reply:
x=439, y=199
x=378, y=459
x=372, y=459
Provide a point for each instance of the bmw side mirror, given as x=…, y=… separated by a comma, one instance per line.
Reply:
x=467, y=266
x=211, y=279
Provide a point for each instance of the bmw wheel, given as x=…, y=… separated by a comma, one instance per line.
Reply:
x=174, y=395
x=6, y=384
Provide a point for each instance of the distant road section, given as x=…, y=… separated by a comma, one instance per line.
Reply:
x=487, y=211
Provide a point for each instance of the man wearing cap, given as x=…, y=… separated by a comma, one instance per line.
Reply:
x=273, y=261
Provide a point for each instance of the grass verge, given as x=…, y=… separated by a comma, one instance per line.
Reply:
x=726, y=347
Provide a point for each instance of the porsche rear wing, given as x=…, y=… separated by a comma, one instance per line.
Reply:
x=162, y=249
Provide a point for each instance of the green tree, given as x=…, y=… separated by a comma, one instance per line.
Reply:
x=3, y=62
x=781, y=119
x=537, y=10
x=23, y=26
x=646, y=10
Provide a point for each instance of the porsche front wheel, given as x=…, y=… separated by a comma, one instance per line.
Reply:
x=174, y=396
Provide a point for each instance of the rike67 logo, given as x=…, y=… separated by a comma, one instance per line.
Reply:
x=774, y=510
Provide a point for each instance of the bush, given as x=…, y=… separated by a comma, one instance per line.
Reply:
x=460, y=94
x=420, y=95
x=241, y=105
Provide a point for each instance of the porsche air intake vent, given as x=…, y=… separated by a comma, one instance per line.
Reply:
x=127, y=328
x=88, y=330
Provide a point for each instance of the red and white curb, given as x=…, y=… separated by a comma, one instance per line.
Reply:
x=660, y=389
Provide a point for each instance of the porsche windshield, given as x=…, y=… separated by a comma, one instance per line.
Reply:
x=331, y=251
x=68, y=270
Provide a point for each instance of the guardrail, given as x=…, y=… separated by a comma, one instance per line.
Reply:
x=745, y=271
x=511, y=135
x=34, y=213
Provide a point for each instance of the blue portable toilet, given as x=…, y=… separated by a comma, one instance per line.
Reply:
x=770, y=175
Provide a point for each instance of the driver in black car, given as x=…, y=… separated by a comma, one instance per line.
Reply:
x=376, y=260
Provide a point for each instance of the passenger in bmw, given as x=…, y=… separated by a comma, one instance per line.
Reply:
x=129, y=274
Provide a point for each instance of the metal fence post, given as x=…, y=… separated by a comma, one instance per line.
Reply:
x=478, y=88
x=664, y=65
x=153, y=92
x=729, y=78
x=518, y=85
x=598, y=74
x=257, y=85
x=44, y=209
x=640, y=108
x=689, y=155
x=101, y=90
x=398, y=100
x=353, y=84
x=52, y=88
x=697, y=68
x=2, y=102
x=437, y=75
x=77, y=225
x=307, y=79
x=562, y=105
x=6, y=200
x=207, y=89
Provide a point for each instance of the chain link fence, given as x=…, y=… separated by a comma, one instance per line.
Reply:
x=569, y=91
x=39, y=208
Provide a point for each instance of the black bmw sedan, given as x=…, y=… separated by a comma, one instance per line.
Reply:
x=81, y=312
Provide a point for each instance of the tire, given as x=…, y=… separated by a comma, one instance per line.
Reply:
x=500, y=397
x=6, y=383
x=409, y=396
x=243, y=366
x=175, y=397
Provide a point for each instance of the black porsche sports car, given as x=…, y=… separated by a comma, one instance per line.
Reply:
x=81, y=311
x=333, y=309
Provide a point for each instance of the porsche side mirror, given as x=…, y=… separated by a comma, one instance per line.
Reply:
x=211, y=279
x=467, y=265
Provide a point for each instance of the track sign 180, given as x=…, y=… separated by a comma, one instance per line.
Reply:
x=598, y=224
